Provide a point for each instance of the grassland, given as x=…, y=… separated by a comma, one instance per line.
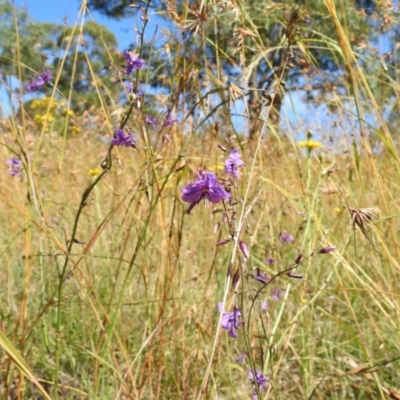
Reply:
x=110, y=289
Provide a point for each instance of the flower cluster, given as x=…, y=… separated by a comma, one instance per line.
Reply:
x=206, y=187
x=42, y=79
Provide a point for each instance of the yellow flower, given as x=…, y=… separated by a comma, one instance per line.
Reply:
x=76, y=129
x=43, y=120
x=310, y=144
x=66, y=111
x=95, y=171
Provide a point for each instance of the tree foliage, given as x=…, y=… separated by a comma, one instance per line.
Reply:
x=252, y=44
x=80, y=55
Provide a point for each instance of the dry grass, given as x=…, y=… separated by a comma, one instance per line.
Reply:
x=137, y=315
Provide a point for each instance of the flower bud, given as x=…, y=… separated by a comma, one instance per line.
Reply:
x=298, y=259
x=245, y=250
x=295, y=276
x=327, y=250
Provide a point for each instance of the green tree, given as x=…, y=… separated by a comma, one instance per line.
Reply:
x=83, y=67
x=254, y=43
x=81, y=55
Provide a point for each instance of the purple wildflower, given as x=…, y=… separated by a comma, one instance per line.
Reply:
x=241, y=358
x=16, y=166
x=120, y=139
x=206, y=187
x=130, y=87
x=230, y=321
x=260, y=380
x=42, y=79
x=270, y=261
x=169, y=121
x=233, y=163
x=264, y=305
x=262, y=277
x=285, y=238
x=151, y=120
x=276, y=293
x=132, y=62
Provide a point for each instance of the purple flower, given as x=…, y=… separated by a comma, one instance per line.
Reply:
x=264, y=305
x=120, y=139
x=151, y=120
x=206, y=187
x=230, y=321
x=42, y=79
x=241, y=358
x=260, y=380
x=16, y=166
x=262, y=277
x=169, y=121
x=276, y=293
x=132, y=62
x=285, y=238
x=130, y=87
x=270, y=261
x=233, y=163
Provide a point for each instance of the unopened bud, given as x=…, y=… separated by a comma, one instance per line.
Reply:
x=245, y=250
x=298, y=259
x=222, y=242
x=327, y=250
x=295, y=276
x=235, y=279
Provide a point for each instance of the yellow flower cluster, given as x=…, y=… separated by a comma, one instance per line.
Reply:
x=47, y=108
x=43, y=104
x=44, y=112
x=43, y=121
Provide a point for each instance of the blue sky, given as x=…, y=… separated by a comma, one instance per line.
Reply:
x=59, y=11
x=297, y=112
x=62, y=11
x=66, y=12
